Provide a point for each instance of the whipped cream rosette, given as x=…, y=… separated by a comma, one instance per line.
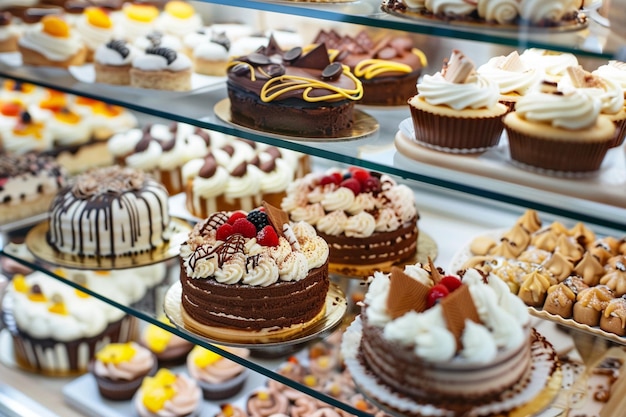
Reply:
x=52, y=42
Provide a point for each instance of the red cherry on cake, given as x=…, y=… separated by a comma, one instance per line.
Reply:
x=352, y=184
x=244, y=227
x=327, y=179
x=360, y=175
x=435, y=293
x=236, y=216
x=267, y=237
x=224, y=231
x=450, y=282
x=371, y=185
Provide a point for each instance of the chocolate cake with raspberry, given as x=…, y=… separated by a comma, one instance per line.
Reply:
x=252, y=274
x=292, y=92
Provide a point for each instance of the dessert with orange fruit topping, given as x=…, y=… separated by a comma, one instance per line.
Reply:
x=230, y=410
x=218, y=377
x=26, y=93
x=10, y=110
x=106, y=119
x=26, y=134
x=52, y=43
x=119, y=369
x=96, y=28
x=138, y=19
x=161, y=68
x=28, y=183
x=168, y=394
x=9, y=33
x=179, y=18
x=57, y=329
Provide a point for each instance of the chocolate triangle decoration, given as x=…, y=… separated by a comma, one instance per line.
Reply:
x=272, y=47
x=276, y=217
x=317, y=58
x=405, y=294
x=434, y=272
x=457, y=307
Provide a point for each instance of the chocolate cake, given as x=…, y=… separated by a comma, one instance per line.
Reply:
x=387, y=67
x=367, y=219
x=109, y=211
x=253, y=273
x=292, y=92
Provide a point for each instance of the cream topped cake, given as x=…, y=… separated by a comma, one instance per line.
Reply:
x=161, y=68
x=233, y=263
x=367, y=219
x=109, y=211
x=51, y=43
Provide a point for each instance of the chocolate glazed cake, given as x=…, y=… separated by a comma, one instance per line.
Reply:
x=292, y=91
x=110, y=211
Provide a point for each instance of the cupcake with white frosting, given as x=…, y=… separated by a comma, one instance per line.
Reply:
x=52, y=42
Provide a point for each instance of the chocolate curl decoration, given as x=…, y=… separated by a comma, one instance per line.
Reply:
x=405, y=294
x=276, y=217
x=434, y=272
x=457, y=307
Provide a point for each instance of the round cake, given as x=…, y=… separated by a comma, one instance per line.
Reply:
x=366, y=218
x=253, y=274
x=441, y=340
x=109, y=211
x=292, y=92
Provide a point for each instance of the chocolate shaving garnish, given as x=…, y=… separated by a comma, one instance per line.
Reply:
x=292, y=54
x=332, y=71
x=434, y=272
x=549, y=87
x=240, y=69
x=457, y=307
x=119, y=46
x=167, y=53
x=240, y=170
x=143, y=144
x=387, y=53
x=229, y=149
x=204, y=135
x=317, y=58
x=209, y=168
x=155, y=38
x=405, y=294
x=273, y=151
x=275, y=70
x=276, y=217
x=272, y=47
x=168, y=145
x=256, y=161
x=457, y=68
x=221, y=39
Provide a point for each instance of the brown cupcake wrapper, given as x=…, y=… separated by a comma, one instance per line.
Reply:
x=122, y=390
x=448, y=134
x=556, y=155
x=620, y=133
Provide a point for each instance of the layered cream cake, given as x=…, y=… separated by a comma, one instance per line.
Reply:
x=109, y=211
x=253, y=274
x=366, y=218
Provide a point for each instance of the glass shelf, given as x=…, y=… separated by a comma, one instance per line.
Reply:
x=376, y=152
x=596, y=40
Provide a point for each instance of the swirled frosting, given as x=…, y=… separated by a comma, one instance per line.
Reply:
x=536, y=11
x=499, y=11
x=571, y=111
x=54, y=48
x=480, y=92
x=123, y=361
x=168, y=395
x=613, y=70
x=452, y=7
x=207, y=366
x=518, y=79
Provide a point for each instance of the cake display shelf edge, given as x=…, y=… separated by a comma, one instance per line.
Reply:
x=336, y=306
x=38, y=245
x=364, y=126
x=525, y=400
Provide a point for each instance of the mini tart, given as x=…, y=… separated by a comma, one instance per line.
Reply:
x=52, y=32
x=161, y=69
x=560, y=300
x=589, y=304
x=613, y=319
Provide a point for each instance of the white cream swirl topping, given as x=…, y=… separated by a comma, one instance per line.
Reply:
x=52, y=47
x=154, y=62
x=480, y=94
x=607, y=91
x=571, y=111
x=499, y=11
x=539, y=10
x=519, y=81
x=456, y=7
x=614, y=70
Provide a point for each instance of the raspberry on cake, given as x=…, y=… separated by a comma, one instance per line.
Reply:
x=109, y=211
x=368, y=220
x=292, y=92
x=388, y=67
x=252, y=275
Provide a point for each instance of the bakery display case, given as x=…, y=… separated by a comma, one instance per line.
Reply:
x=458, y=196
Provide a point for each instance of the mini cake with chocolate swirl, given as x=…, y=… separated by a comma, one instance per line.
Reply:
x=368, y=220
x=248, y=276
x=109, y=211
x=112, y=62
x=292, y=92
x=161, y=68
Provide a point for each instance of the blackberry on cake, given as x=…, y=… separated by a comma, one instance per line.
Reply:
x=110, y=211
x=367, y=218
x=244, y=279
x=292, y=91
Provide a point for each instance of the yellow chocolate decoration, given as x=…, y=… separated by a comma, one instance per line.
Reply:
x=179, y=9
x=116, y=353
x=421, y=55
x=203, y=357
x=34, y=129
x=58, y=306
x=98, y=17
x=310, y=380
x=67, y=116
x=371, y=68
x=37, y=297
x=141, y=12
x=228, y=410
x=55, y=26
x=157, y=338
x=20, y=284
x=54, y=103
x=263, y=395
x=157, y=390
x=288, y=83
